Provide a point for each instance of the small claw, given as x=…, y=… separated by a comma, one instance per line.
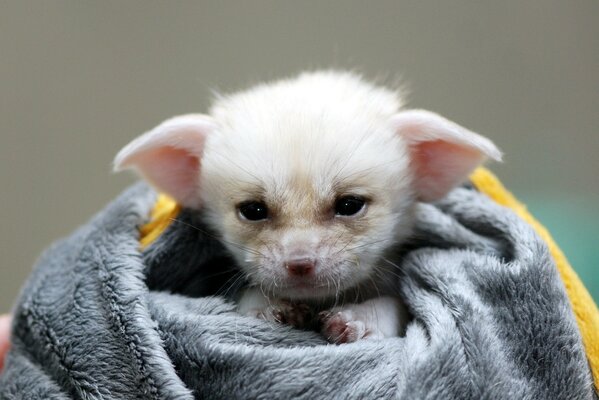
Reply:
x=340, y=328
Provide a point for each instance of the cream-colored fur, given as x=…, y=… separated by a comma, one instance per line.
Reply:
x=298, y=145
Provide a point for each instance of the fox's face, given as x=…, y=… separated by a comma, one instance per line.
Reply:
x=308, y=180
x=307, y=201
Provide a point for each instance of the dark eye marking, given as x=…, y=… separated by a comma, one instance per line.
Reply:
x=347, y=206
x=253, y=210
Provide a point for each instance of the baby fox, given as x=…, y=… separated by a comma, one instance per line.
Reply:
x=310, y=182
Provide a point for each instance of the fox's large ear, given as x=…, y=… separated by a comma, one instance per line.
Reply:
x=443, y=154
x=169, y=156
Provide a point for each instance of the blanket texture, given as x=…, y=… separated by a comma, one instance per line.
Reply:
x=99, y=319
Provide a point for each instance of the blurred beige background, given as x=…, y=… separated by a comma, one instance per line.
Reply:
x=78, y=80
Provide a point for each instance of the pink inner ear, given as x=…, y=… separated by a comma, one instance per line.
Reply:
x=440, y=166
x=175, y=171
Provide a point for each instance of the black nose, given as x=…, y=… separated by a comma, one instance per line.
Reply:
x=300, y=267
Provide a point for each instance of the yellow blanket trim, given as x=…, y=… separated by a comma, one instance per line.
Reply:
x=165, y=210
x=585, y=310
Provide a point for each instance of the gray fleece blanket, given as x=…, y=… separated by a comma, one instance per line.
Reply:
x=100, y=320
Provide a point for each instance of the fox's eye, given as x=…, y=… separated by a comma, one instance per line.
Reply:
x=349, y=205
x=253, y=210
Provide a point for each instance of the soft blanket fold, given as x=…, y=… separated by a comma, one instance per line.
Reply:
x=98, y=319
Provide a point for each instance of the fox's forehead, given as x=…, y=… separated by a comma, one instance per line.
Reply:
x=318, y=134
x=311, y=98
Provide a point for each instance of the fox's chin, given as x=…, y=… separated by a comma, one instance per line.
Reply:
x=305, y=292
x=311, y=290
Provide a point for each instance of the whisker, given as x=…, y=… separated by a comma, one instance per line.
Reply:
x=370, y=243
x=384, y=273
x=244, y=170
x=392, y=264
x=227, y=271
x=362, y=245
x=337, y=291
x=256, y=252
x=237, y=280
x=349, y=157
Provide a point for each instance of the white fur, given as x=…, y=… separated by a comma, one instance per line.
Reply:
x=298, y=145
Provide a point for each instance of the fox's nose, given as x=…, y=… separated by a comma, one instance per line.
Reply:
x=300, y=267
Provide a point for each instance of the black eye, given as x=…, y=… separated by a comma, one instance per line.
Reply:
x=253, y=210
x=349, y=205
